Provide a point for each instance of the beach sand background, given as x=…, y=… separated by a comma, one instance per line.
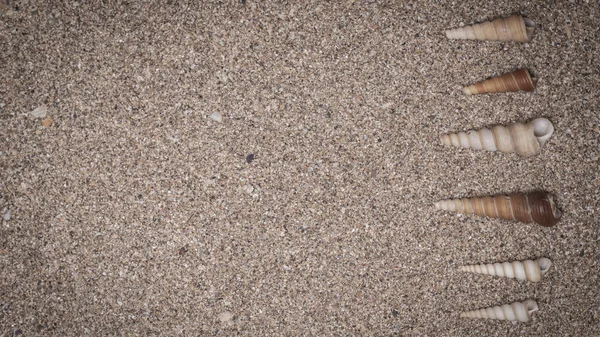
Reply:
x=308, y=210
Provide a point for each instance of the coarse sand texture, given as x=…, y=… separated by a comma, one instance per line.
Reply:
x=271, y=168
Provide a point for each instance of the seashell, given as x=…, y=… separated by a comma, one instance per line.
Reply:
x=518, y=311
x=521, y=270
x=512, y=28
x=519, y=79
x=538, y=207
x=525, y=139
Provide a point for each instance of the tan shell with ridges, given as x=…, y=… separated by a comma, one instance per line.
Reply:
x=525, y=139
x=519, y=79
x=512, y=28
x=518, y=311
x=522, y=270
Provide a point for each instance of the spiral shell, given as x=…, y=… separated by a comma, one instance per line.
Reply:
x=521, y=270
x=538, y=207
x=512, y=28
x=519, y=79
x=518, y=311
x=525, y=139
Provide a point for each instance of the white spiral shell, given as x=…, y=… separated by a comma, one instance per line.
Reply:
x=513, y=28
x=521, y=270
x=525, y=139
x=518, y=311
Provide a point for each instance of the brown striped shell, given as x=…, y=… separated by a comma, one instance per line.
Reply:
x=519, y=79
x=538, y=207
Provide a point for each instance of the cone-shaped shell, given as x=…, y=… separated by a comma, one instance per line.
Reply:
x=538, y=207
x=518, y=311
x=512, y=28
x=525, y=139
x=522, y=270
x=519, y=79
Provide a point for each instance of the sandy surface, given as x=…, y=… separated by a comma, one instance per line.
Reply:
x=134, y=213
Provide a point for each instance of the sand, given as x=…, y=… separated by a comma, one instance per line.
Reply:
x=308, y=209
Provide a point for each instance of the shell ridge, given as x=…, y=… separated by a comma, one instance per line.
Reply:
x=528, y=208
x=504, y=85
x=505, y=30
x=519, y=271
x=498, y=139
x=519, y=312
x=496, y=208
x=512, y=212
x=514, y=79
x=507, y=312
x=508, y=270
x=482, y=206
x=522, y=29
x=527, y=270
x=492, y=30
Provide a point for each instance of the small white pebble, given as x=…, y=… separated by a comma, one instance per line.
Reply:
x=40, y=112
x=6, y=216
x=225, y=316
x=217, y=117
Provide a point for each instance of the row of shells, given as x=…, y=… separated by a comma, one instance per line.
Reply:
x=512, y=28
x=528, y=270
x=524, y=139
